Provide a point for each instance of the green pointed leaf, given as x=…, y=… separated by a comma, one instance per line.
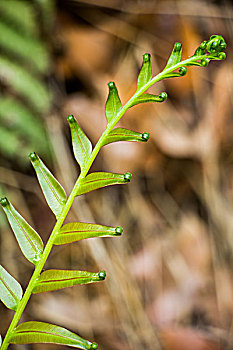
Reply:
x=75, y=231
x=120, y=134
x=175, y=56
x=113, y=104
x=54, y=193
x=10, y=290
x=28, y=239
x=51, y=280
x=40, y=332
x=82, y=146
x=97, y=180
x=145, y=72
x=149, y=98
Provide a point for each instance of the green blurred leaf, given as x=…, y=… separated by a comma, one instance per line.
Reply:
x=120, y=134
x=113, y=104
x=48, y=13
x=75, y=231
x=53, y=191
x=32, y=51
x=24, y=83
x=21, y=15
x=97, y=180
x=24, y=66
x=40, y=332
x=21, y=123
x=82, y=146
x=52, y=280
x=145, y=73
x=175, y=56
x=28, y=239
x=10, y=290
x=10, y=143
x=149, y=98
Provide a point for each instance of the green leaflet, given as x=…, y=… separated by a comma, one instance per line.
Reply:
x=75, y=231
x=120, y=134
x=175, y=56
x=113, y=104
x=149, y=98
x=145, y=72
x=97, y=180
x=82, y=146
x=10, y=290
x=51, y=280
x=28, y=239
x=40, y=332
x=54, y=193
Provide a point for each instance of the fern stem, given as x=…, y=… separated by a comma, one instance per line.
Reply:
x=72, y=196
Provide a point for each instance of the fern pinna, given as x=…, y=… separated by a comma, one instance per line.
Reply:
x=30, y=243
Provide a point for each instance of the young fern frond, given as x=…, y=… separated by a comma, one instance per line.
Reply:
x=29, y=240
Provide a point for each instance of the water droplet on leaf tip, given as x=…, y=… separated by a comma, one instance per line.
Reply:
x=102, y=275
x=70, y=118
x=146, y=57
x=177, y=46
x=127, y=176
x=163, y=95
x=4, y=201
x=111, y=85
x=119, y=230
x=145, y=136
x=33, y=156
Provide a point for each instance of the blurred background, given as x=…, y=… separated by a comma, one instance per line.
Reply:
x=169, y=277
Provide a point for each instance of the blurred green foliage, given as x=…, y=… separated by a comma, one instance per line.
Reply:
x=24, y=68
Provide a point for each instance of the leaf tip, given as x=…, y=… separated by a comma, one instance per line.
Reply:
x=111, y=85
x=146, y=57
x=71, y=119
x=127, y=177
x=163, y=96
x=33, y=156
x=119, y=230
x=177, y=47
x=4, y=202
x=94, y=346
x=145, y=136
x=102, y=275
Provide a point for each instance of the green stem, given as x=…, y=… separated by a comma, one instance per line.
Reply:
x=72, y=196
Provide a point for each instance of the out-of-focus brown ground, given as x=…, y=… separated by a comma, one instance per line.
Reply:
x=169, y=277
